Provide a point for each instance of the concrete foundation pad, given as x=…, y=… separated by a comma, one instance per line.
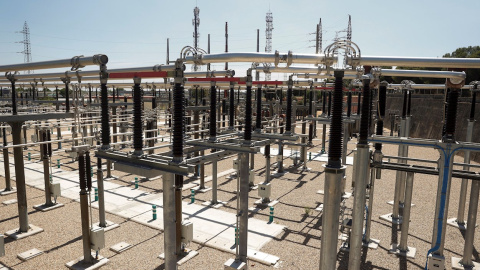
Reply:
x=7, y=192
x=29, y=254
x=15, y=234
x=189, y=254
x=79, y=264
x=320, y=191
x=110, y=178
x=261, y=203
x=319, y=208
x=233, y=264
x=120, y=247
x=109, y=225
x=203, y=190
x=214, y=205
x=388, y=217
x=45, y=208
x=372, y=244
x=8, y=202
x=253, y=187
x=279, y=174
x=189, y=186
x=456, y=264
x=3, y=267
x=409, y=253
x=400, y=205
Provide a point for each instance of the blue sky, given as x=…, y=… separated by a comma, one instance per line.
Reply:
x=134, y=33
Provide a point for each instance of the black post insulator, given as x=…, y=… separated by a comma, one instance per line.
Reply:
x=105, y=116
x=137, y=118
x=14, y=96
x=96, y=92
x=224, y=107
x=99, y=161
x=49, y=145
x=113, y=94
x=213, y=112
x=81, y=172
x=88, y=171
x=451, y=119
x=472, y=108
x=258, y=121
x=178, y=120
x=364, y=118
x=232, y=107
x=267, y=150
x=358, y=102
x=56, y=98
x=90, y=95
x=336, y=126
x=67, y=98
x=281, y=97
x=324, y=102
x=329, y=103
x=154, y=103
x=405, y=102
x=44, y=146
x=288, y=127
x=248, y=114
x=382, y=102
x=178, y=181
x=21, y=98
x=349, y=104
x=4, y=133
x=310, y=103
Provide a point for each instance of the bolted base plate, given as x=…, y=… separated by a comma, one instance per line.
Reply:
x=15, y=234
x=453, y=222
x=202, y=190
x=233, y=264
x=80, y=264
x=29, y=254
x=268, y=203
x=187, y=255
x=120, y=247
x=214, y=205
x=7, y=192
x=457, y=265
x=46, y=208
x=372, y=244
x=109, y=225
x=409, y=253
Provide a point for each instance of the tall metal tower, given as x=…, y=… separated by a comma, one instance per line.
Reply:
x=319, y=39
x=268, y=35
x=349, y=39
x=196, y=32
x=27, y=52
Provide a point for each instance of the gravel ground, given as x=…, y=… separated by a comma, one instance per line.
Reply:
x=298, y=246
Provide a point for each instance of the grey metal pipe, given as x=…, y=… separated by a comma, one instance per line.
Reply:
x=331, y=212
x=472, y=219
x=406, y=212
x=414, y=61
x=356, y=233
x=258, y=57
x=87, y=257
x=243, y=206
x=422, y=86
x=368, y=229
x=97, y=59
x=464, y=186
x=169, y=221
x=280, y=157
x=46, y=177
x=423, y=73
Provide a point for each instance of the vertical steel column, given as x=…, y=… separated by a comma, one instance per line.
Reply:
x=57, y=105
x=6, y=162
x=231, y=118
x=169, y=221
x=445, y=175
x=214, y=182
x=280, y=157
x=20, y=177
x=334, y=172
x=267, y=163
x=406, y=212
x=471, y=222
x=101, y=194
x=288, y=127
x=362, y=171
x=463, y=190
x=137, y=119
x=85, y=217
x=46, y=167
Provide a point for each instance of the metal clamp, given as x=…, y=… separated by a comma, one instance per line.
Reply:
x=75, y=62
x=277, y=58
x=289, y=58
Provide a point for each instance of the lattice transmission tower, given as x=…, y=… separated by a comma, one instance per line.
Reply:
x=268, y=35
x=196, y=32
x=27, y=51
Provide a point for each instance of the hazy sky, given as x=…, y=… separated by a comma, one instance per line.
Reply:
x=134, y=33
